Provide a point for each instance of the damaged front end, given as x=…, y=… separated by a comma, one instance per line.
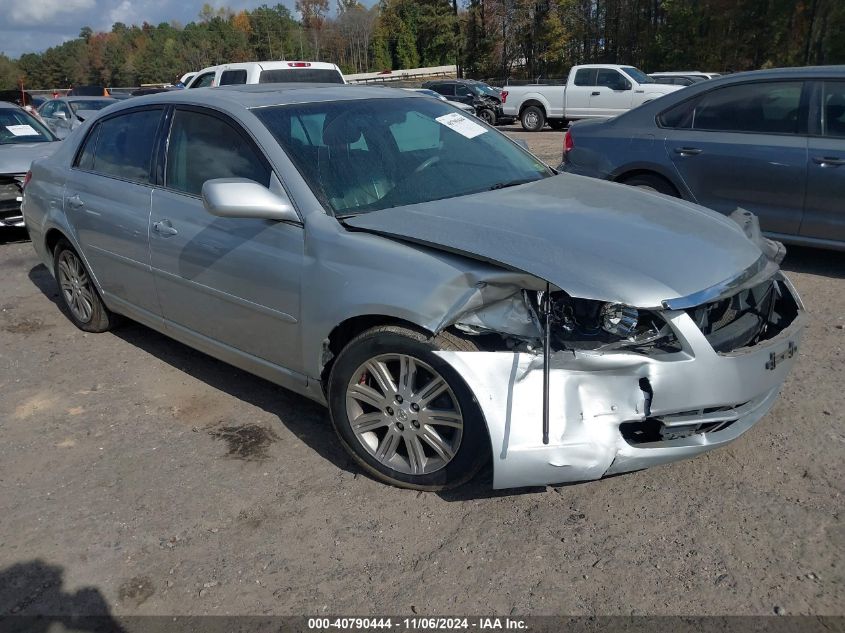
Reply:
x=573, y=389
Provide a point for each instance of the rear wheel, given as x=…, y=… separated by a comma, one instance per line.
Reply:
x=403, y=413
x=652, y=182
x=77, y=290
x=533, y=118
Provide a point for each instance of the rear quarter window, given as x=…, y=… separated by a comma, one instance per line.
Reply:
x=233, y=77
x=125, y=145
x=307, y=75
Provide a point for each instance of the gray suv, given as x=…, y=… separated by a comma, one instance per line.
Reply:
x=448, y=296
x=771, y=142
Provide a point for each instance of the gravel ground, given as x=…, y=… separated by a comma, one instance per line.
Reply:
x=141, y=477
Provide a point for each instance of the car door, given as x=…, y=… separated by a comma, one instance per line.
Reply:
x=464, y=94
x=744, y=145
x=107, y=200
x=233, y=281
x=824, y=211
x=578, y=93
x=611, y=95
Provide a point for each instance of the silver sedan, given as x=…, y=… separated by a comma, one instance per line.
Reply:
x=450, y=298
x=65, y=114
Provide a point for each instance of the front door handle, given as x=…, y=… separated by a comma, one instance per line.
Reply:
x=687, y=151
x=164, y=228
x=75, y=202
x=828, y=161
x=595, y=93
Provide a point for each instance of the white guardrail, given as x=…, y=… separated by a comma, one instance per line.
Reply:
x=399, y=75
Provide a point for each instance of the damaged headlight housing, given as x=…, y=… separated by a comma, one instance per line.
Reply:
x=596, y=325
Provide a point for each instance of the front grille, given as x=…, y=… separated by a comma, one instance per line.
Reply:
x=746, y=318
x=10, y=194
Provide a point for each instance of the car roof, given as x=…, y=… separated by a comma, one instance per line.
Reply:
x=270, y=65
x=83, y=98
x=250, y=96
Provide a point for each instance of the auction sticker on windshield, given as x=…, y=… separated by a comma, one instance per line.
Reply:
x=461, y=124
x=22, y=130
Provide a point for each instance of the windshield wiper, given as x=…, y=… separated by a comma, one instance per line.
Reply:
x=512, y=183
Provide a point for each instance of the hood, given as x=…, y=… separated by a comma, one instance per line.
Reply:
x=592, y=239
x=84, y=115
x=16, y=158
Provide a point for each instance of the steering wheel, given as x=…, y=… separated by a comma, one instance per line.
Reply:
x=428, y=162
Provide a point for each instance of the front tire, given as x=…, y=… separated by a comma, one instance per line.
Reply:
x=403, y=413
x=488, y=116
x=80, y=297
x=533, y=118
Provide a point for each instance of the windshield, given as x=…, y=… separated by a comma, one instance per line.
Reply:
x=637, y=75
x=91, y=104
x=365, y=155
x=16, y=126
x=486, y=90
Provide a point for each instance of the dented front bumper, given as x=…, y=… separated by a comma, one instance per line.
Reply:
x=615, y=412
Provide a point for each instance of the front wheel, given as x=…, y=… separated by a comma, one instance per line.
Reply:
x=533, y=118
x=488, y=116
x=403, y=413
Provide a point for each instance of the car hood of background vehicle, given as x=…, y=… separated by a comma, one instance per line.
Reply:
x=593, y=239
x=16, y=158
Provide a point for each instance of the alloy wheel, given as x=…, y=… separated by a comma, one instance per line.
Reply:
x=404, y=414
x=76, y=286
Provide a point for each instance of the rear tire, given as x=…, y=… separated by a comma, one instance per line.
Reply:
x=81, y=300
x=533, y=118
x=652, y=182
x=396, y=420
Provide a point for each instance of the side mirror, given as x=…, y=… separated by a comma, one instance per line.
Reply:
x=626, y=85
x=60, y=114
x=242, y=198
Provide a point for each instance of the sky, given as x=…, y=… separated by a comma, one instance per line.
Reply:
x=34, y=25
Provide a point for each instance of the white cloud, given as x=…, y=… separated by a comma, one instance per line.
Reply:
x=25, y=13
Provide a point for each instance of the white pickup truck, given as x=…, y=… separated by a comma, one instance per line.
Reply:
x=594, y=91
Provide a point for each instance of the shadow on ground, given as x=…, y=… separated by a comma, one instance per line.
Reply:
x=32, y=601
x=814, y=261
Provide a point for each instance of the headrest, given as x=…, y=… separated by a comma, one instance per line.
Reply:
x=343, y=130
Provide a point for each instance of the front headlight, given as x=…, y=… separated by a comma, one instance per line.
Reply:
x=596, y=325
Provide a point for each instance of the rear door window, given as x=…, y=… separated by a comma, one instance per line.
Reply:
x=768, y=108
x=203, y=147
x=125, y=145
x=586, y=77
x=233, y=77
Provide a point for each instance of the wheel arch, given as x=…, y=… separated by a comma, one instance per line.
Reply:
x=632, y=171
x=534, y=102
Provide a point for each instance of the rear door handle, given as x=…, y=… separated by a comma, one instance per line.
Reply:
x=687, y=151
x=828, y=161
x=165, y=228
x=75, y=202
x=595, y=94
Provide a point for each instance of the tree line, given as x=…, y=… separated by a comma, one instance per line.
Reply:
x=485, y=38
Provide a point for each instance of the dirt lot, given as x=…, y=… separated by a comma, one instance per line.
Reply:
x=141, y=477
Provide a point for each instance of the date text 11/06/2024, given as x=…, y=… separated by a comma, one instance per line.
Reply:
x=416, y=624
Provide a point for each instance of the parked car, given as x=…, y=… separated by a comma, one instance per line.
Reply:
x=423, y=276
x=22, y=139
x=771, y=141
x=431, y=93
x=486, y=101
x=676, y=79
x=693, y=76
x=65, y=114
x=592, y=91
x=267, y=73
x=88, y=91
x=21, y=98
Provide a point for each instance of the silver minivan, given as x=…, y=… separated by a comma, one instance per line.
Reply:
x=449, y=297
